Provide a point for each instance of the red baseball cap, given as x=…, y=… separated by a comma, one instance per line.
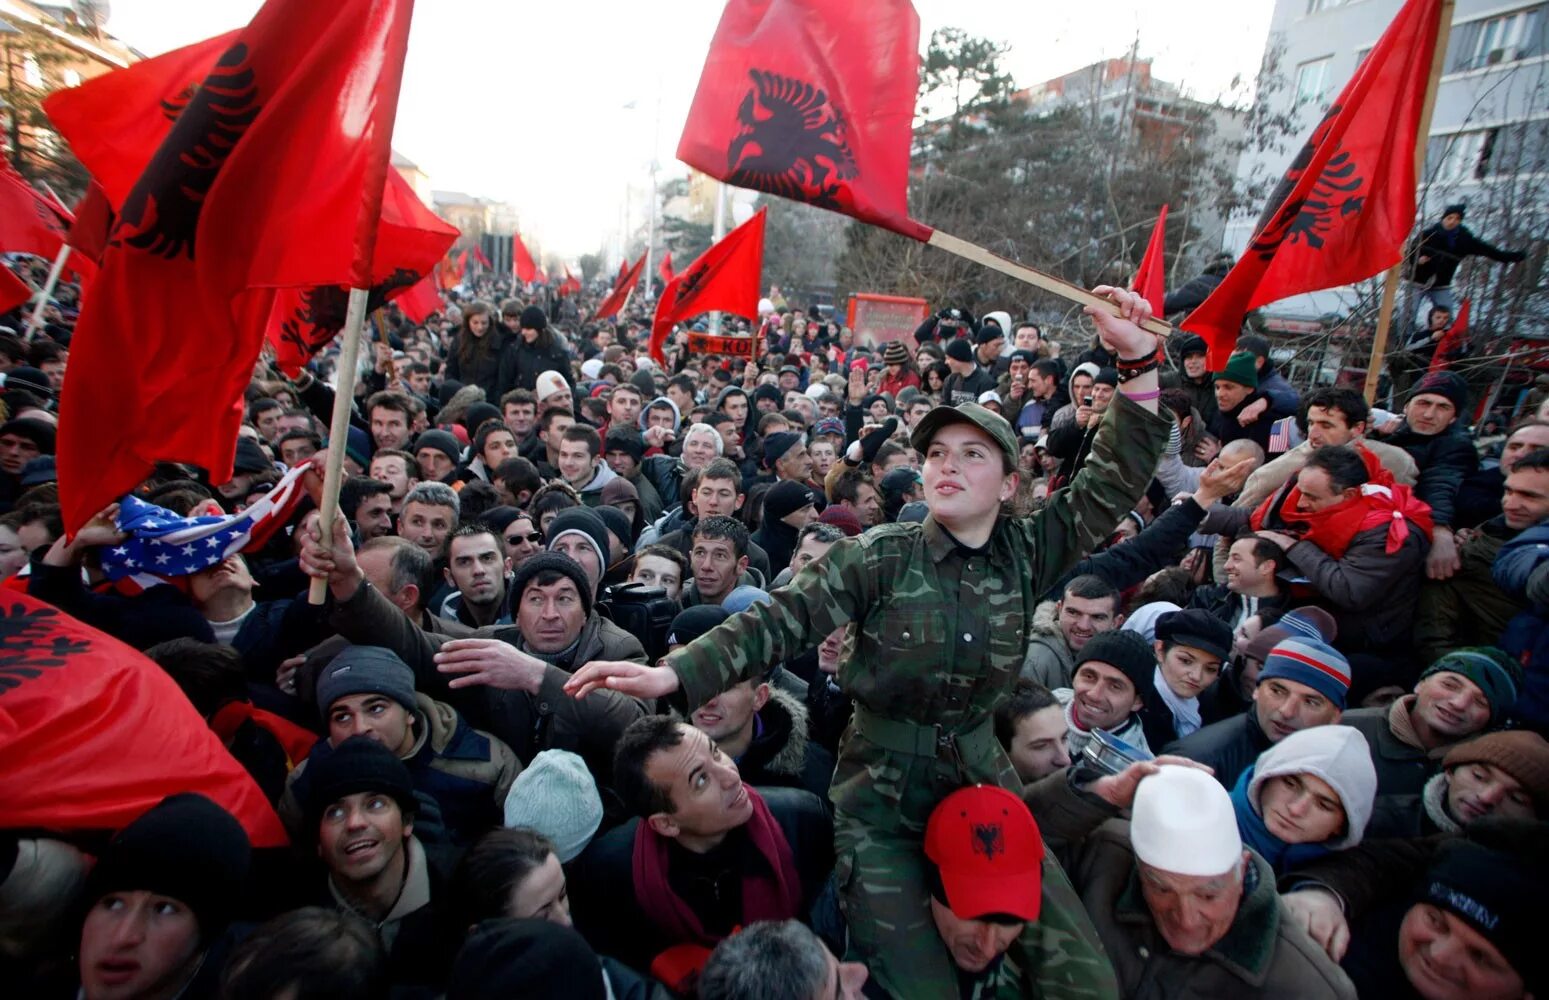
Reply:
x=989, y=853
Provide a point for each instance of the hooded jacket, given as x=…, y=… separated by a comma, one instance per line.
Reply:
x=782, y=752
x=1338, y=755
x=1049, y=659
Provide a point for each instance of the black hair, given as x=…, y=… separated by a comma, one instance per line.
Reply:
x=358, y=489
x=494, y=866
x=643, y=738
x=1026, y=698
x=1345, y=468
x=1538, y=459
x=728, y=528
x=210, y=674
x=1351, y=405
x=1090, y=587
x=1264, y=550
x=314, y=953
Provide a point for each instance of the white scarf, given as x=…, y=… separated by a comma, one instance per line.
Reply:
x=1185, y=710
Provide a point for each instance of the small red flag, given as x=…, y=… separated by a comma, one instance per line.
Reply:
x=570, y=286
x=812, y=100
x=1450, y=341
x=724, y=278
x=478, y=255
x=92, y=733
x=623, y=272
x=30, y=221
x=1345, y=207
x=522, y=262
x=1151, y=280
x=421, y=300
x=665, y=268
x=13, y=290
x=270, y=178
x=93, y=224
x=628, y=279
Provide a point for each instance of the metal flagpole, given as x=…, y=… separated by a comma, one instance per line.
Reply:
x=36, y=319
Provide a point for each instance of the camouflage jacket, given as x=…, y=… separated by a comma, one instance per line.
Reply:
x=941, y=631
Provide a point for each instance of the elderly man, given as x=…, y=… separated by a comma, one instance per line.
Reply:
x=1181, y=907
x=509, y=679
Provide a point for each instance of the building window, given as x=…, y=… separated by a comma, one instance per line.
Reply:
x=1312, y=81
x=31, y=72
x=1461, y=157
x=1313, y=6
x=1497, y=40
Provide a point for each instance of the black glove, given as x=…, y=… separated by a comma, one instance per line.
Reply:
x=872, y=443
x=429, y=827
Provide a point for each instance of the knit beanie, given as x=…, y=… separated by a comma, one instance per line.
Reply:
x=25, y=378
x=556, y=796
x=1521, y=753
x=1498, y=894
x=185, y=847
x=359, y=764
x=627, y=440
x=365, y=670
x=1311, y=623
x=777, y=444
x=1241, y=368
x=533, y=318
x=842, y=518
x=1308, y=661
x=960, y=350
x=913, y=512
x=533, y=959
x=1447, y=384
x=552, y=562
x=787, y=497
x=441, y=441
x=475, y=416
x=691, y=623
x=585, y=522
x=36, y=431
x=617, y=523
x=744, y=596
x=1497, y=674
x=1106, y=376
x=895, y=353
x=1126, y=652
x=1340, y=756
x=549, y=383
x=1459, y=210
x=250, y=456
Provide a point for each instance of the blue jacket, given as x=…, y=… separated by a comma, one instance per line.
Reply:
x=1522, y=571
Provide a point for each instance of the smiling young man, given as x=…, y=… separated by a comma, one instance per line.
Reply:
x=1435, y=433
x=1088, y=606
x=369, y=691
x=1112, y=684
x=703, y=853
x=944, y=609
x=360, y=813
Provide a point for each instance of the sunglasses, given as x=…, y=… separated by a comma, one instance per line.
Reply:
x=532, y=536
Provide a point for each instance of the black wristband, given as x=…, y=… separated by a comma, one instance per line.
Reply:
x=1130, y=374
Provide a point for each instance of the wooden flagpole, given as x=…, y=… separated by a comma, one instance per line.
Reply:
x=36, y=319
x=1034, y=277
x=1422, y=135
x=339, y=426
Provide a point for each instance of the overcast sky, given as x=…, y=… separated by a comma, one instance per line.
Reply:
x=526, y=102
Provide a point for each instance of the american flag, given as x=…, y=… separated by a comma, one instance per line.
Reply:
x=1283, y=436
x=164, y=544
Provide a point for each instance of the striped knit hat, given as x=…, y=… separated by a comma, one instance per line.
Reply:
x=1315, y=664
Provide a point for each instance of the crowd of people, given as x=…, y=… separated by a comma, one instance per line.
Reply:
x=968, y=664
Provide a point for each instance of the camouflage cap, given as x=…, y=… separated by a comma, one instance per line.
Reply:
x=986, y=420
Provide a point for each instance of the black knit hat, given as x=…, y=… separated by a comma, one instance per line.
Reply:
x=584, y=520
x=617, y=522
x=536, y=959
x=185, y=847
x=533, y=318
x=787, y=497
x=1448, y=385
x=627, y=440
x=1459, y=210
x=477, y=413
x=1106, y=376
x=250, y=457
x=1127, y=652
x=359, y=764
x=1498, y=894
x=552, y=562
x=769, y=392
x=691, y=623
x=441, y=441
x=959, y=349
x=778, y=444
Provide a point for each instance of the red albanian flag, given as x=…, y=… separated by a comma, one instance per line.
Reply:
x=665, y=268
x=521, y=262
x=1345, y=207
x=421, y=300
x=1450, y=341
x=1151, y=279
x=92, y=733
x=271, y=177
x=570, y=286
x=623, y=272
x=410, y=239
x=627, y=281
x=93, y=224
x=478, y=255
x=13, y=290
x=812, y=100
x=725, y=278
x=30, y=221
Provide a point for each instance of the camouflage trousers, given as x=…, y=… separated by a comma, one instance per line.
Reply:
x=884, y=890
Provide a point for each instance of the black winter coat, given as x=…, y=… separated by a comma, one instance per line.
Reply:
x=1229, y=747
x=1445, y=460
x=486, y=370
x=1447, y=250
x=520, y=368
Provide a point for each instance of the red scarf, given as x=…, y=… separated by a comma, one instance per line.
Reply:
x=772, y=895
x=1380, y=501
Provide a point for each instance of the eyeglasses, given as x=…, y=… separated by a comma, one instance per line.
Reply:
x=532, y=536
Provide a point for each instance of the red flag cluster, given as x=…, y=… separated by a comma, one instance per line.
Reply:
x=724, y=278
x=812, y=100
x=216, y=220
x=1344, y=209
x=629, y=277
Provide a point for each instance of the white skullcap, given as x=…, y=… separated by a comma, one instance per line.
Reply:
x=591, y=367
x=1183, y=823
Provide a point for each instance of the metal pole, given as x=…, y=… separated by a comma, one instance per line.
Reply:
x=650, y=242
x=36, y=320
x=339, y=427
x=716, y=234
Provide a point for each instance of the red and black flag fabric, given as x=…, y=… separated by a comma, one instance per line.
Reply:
x=93, y=226
x=1452, y=342
x=628, y=279
x=664, y=269
x=421, y=300
x=1151, y=279
x=725, y=278
x=1344, y=209
x=521, y=261
x=271, y=177
x=30, y=221
x=812, y=100
x=92, y=733
x=478, y=255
